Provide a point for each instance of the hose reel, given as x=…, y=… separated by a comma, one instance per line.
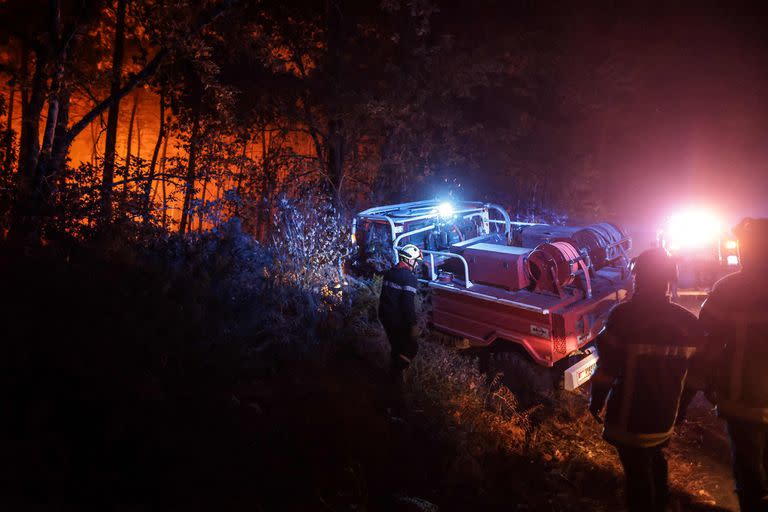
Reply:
x=604, y=242
x=555, y=265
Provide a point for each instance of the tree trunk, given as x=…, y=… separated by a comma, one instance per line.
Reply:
x=8, y=163
x=267, y=189
x=53, y=177
x=201, y=209
x=33, y=167
x=24, y=85
x=261, y=216
x=336, y=140
x=138, y=142
x=189, y=181
x=25, y=207
x=162, y=184
x=335, y=164
x=108, y=175
x=128, y=144
x=219, y=196
x=151, y=175
x=262, y=212
x=53, y=107
x=94, y=144
x=240, y=172
x=58, y=101
x=60, y=146
x=31, y=125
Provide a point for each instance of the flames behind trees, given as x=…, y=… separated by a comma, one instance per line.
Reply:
x=197, y=111
x=182, y=114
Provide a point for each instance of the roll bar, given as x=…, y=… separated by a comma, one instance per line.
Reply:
x=433, y=276
x=504, y=214
x=396, y=243
x=384, y=213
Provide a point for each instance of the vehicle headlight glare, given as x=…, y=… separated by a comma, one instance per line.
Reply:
x=445, y=210
x=692, y=229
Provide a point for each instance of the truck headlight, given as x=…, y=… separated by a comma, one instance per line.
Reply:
x=692, y=229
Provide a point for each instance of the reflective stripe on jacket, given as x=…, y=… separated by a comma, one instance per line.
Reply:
x=645, y=351
x=735, y=317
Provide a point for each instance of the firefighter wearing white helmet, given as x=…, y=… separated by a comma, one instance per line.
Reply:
x=409, y=254
x=645, y=350
x=397, y=310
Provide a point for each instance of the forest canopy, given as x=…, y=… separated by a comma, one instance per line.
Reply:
x=183, y=114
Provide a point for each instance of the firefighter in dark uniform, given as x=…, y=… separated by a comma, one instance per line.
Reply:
x=397, y=310
x=735, y=317
x=644, y=355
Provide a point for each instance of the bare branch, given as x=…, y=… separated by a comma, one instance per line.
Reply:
x=139, y=77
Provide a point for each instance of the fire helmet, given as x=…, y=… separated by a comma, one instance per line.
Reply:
x=752, y=235
x=409, y=252
x=752, y=230
x=655, y=265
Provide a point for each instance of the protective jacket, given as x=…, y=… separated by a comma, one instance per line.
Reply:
x=735, y=317
x=397, y=303
x=644, y=355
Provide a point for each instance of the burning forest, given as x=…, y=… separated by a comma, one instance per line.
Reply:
x=377, y=255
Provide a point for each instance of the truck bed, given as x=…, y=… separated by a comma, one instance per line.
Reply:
x=548, y=327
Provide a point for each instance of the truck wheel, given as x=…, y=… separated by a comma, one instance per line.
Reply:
x=529, y=382
x=448, y=340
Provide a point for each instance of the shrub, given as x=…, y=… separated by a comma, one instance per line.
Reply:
x=480, y=419
x=309, y=243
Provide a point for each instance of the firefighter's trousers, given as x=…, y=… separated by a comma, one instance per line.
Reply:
x=749, y=446
x=403, y=347
x=646, y=473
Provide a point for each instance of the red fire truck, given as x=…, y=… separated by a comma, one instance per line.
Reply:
x=541, y=289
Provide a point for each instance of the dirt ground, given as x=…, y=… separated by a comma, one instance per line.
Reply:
x=700, y=461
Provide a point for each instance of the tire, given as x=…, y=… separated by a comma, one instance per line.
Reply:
x=531, y=383
x=448, y=340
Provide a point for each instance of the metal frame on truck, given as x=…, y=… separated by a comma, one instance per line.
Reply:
x=498, y=283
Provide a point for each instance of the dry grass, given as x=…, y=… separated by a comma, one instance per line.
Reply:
x=452, y=387
x=567, y=464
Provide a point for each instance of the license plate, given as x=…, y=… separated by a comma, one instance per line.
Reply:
x=581, y=372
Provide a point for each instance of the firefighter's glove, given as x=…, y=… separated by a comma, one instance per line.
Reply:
x=414, y=332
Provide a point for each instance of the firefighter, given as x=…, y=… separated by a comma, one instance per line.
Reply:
x=397, y=310
x=735, y=318
x=644, y=352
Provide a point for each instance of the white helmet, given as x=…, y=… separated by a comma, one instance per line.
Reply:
x=409, y=252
